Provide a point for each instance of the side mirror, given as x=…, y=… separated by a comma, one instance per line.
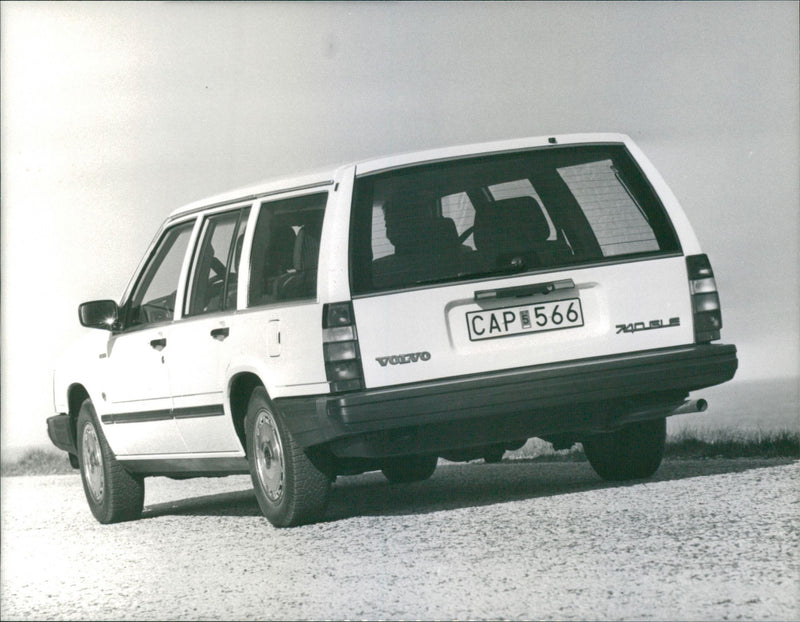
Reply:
x=101, y=314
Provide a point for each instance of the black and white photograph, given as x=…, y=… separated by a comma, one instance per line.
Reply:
x=400, y=310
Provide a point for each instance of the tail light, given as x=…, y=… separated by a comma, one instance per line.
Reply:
x=340, y=348
x=705, y=299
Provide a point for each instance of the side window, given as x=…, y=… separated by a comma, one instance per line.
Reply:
x=615, y=216
x=523, y=188
x=216, y=264
x=459, y=209
x=381, y=246
x=153, y=298
x=414, y=235
x=283, y=264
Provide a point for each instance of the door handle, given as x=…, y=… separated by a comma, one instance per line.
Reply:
x=159, y=344
x=220, y=333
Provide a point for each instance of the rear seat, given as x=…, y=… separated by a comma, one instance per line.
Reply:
x=432, y=252
x=516, y=227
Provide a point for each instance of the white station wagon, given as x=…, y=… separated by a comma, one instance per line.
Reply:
x=449, y=303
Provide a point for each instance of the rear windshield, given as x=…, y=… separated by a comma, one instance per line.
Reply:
x=486, y=216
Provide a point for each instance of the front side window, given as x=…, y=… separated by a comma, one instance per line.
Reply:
x=283, y=264
x=216, y=263
x=503, y=214
x=153, y=297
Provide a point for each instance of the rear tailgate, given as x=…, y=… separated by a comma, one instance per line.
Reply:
x=444, y=331
x=497, y=261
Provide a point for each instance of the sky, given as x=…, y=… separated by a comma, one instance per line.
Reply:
x=114, y=114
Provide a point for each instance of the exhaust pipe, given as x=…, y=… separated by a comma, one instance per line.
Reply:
x=691, y=406
x=654, y=412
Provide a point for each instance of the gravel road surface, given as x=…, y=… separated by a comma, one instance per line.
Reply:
x=702, y=540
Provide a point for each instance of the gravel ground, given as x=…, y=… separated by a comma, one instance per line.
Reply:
x=702, y=540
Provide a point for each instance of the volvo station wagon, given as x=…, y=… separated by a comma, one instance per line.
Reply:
x=450, y=303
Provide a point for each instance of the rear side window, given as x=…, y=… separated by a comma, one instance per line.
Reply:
x=486, y=216
x=216, y=264
x=285, y=255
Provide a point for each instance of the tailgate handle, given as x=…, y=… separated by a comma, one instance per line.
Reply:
x=521, y=291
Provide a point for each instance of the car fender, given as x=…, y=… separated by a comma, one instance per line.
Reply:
x=82, y=364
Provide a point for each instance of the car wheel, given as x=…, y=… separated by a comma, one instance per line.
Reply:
x=494, y=454
x=290, y=490
x=632, y=452
x=114, y=494
x=407, y=469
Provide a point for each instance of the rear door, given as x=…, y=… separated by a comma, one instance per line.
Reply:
x=494, y=263
x=200, y=340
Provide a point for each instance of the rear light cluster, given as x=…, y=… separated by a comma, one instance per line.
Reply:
x=705, y=300
x=340, y=348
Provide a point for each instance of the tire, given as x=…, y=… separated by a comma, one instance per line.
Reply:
x=290, y=490
x=408, y=469
x=494, y=454
x=114, y=495
x=632, y=452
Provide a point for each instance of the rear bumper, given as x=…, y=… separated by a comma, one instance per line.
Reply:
x=573, y=398
x=61, y=434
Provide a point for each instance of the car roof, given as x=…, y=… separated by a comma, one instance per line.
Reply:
x=373, y=165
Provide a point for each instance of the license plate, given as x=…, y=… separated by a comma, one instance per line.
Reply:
x=524, y=319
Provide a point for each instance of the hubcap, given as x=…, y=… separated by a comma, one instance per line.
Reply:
x=93, y=463
x=269, y=456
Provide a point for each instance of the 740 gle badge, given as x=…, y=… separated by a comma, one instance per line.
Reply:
x=651, y=325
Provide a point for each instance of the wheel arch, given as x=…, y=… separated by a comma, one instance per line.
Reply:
x=240, y=388
x=76, y=395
